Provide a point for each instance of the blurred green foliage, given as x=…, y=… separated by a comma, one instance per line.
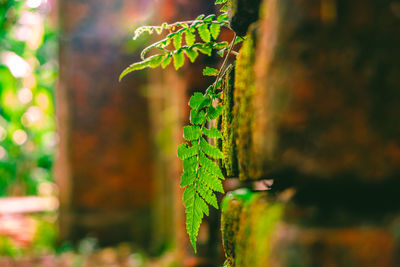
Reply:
x=28, y=72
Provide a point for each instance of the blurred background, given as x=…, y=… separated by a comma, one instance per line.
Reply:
x=88, y=169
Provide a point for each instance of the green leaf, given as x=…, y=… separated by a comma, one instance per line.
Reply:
x=167, y=60
x=208, y=195
x=135, y=66
x=206, y=50
x=222, y=17
x=185, y=152
x=191, y=133
x=210, y=150
x=210, y=71
x=196, y=117
x=200, y=17
x=179, y=59
x=160, y=44
x=155, y=61
x=190, y=38
x=224, y=8
x=187, y=178
x=191, y=54
x=209, y=18
x=212, y=132
x=188, y=194
x=159, y=30
x=214, y=113
x=221, y=52
x=177, y=40
x=210, y=165
x=219, y=2
x=204, y=33
x=239, y=39
x=194, y=214
x=220, y=45
x=190, y=164
x=210, y=180
x=206, y=103
x=196, y=100
x=215, y=29
x=139, y=31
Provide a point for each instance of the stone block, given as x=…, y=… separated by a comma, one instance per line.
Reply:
x=317, y=92
x=242, y=13
x=264, y=229
x=226, y=124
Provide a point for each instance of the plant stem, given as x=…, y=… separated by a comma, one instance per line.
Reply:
x=225, y=61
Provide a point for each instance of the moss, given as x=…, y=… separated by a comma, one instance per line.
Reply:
x=257, y=223
x=227, y=144
x=243, y=108
x=248, y=221
x=232, y=205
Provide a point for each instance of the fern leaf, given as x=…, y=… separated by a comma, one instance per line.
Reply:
x=179, y=59
x=155, y=61
x=210, y=71
x=210, y=150
x=190, y=164
x=206, y=50
x=191, y=132
x=160, y=44
x=135, y=66
x=215, y=29
x=185, y=152
x=194, y=213
x=191, y=54
x=190, y=38
x=212, y=132
x=210, y=165
x=177, y=40
x=210, y=180
x=187, y=178
x=139, y=31
x=209, y=18
x=219, y=2
x=200, y=17
x=214, y=112
x=204, y=33
x=207, y=194
x=196, y=100
x=167, y=60
x=197, y=117
x=224, y=8
x=222, y=17
x=220, y=45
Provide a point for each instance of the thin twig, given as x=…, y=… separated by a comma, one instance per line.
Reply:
x=225, y=60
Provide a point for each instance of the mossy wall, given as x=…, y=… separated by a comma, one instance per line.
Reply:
x=315, y=107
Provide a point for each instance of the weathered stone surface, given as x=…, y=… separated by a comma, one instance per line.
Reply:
x=261, y=229
x=242, y=13
x=227, y=144
x=326, y=98
x=243, y=109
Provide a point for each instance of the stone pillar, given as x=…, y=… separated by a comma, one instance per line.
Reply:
x=315, y=104
x=104, y=162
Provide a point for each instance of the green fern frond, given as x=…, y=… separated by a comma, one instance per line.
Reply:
x=201, y=177
x=212, y=132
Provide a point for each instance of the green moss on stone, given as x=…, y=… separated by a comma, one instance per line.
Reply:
x=257, y=224
x=227, y=144
x=232, y=205
x=243, y=108
x=248, y=221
